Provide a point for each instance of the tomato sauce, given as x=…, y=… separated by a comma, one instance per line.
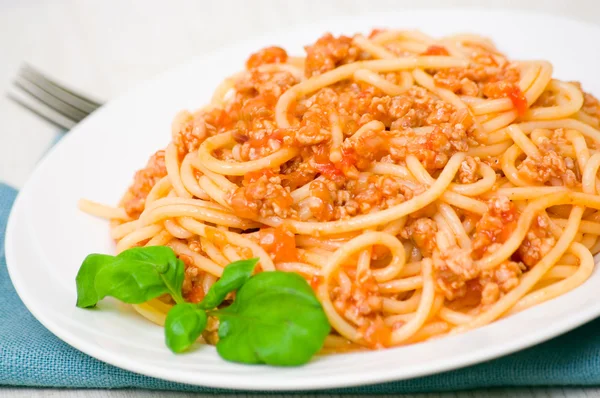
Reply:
x=255, y=175
x=269, y=55
x=518, y=99
x=280, y=243
x=436, y=50
x=377, y=334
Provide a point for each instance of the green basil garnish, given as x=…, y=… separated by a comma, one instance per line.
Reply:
x=275, y=318
x=233, y=277
x=184, y=324
x=86, y=279
x=134, y=276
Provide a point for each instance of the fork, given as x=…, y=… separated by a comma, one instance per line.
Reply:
x=52, y=101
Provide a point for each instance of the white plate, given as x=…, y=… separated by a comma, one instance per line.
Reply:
x=48, y=237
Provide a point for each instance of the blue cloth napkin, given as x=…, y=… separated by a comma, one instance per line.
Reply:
x=32, y=356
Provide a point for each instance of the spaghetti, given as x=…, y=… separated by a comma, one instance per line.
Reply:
x=423, y=187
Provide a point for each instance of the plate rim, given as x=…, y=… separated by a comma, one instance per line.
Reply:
x=497, y=350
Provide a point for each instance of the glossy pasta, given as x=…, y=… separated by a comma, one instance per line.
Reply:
x=422, y=186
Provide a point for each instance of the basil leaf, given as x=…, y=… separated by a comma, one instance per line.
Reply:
x=160, y=257
x=184, y=324
x=275, y=319
x=141, y=274
x=86, y=291
x=233, y=277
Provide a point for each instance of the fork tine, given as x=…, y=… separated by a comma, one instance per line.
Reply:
x=57, y=90
x=50, y=101
x=45, y=113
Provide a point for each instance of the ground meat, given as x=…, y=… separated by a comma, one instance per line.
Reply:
x=295, y=173
x=455, y=272
x=499, y=280
x=482, y=76
x=489, y=75
x=332, y=201
x=550, y=168
x=417, y=108
x=362, y=304
x=192, y=130
x=390, y=109
x=262, y=197
x=192, y=281
x=468, y=87
x=268, y=55
x=250, y=150
x=191, y=133
x=377, y=192
x=328, y=53
x=311, y=135
x=268, y=85
x=410, y=191
x=554, y=142
x=134, y=201
x=538, y=241
x=490, y=294
x=256, y=115
x=432, y=149
x=253, y=105
x=467, y=174
x=195, y=245
x=495, y=226
x=452, y=269
x=314, y=127
x=320, y=204
x=498, y=223
x=506, y=275
x=421, y=232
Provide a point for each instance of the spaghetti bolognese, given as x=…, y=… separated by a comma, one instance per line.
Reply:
x=422, y=186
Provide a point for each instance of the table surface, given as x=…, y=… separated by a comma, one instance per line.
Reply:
x=105, y=47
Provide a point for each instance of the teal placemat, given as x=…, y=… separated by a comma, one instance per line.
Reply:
x=32, y=356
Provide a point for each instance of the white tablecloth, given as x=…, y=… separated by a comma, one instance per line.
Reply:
x=105, y=47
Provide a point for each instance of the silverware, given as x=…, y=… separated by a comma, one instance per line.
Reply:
x=50, y=100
